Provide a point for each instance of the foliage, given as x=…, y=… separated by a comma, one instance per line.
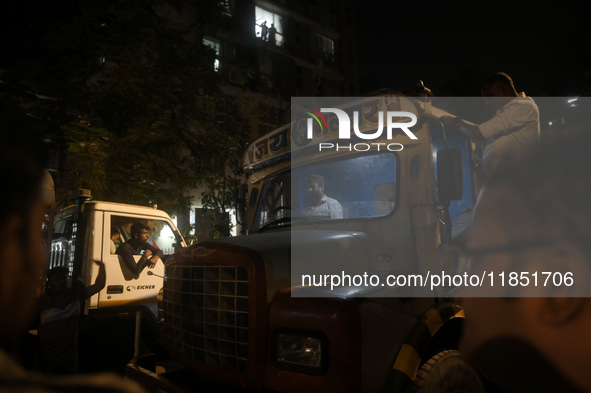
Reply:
x=222, y=176
x=120, y=85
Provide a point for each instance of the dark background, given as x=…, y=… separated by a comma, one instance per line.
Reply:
x=452, y=46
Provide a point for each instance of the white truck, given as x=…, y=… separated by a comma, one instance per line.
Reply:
x=92, y=230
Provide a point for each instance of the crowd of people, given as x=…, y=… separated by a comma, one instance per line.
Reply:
x=535, y=194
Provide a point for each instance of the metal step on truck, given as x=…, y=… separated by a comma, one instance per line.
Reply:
x=92, y=230
x=264, y=311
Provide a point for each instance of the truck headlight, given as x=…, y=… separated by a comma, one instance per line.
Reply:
x=300, y=351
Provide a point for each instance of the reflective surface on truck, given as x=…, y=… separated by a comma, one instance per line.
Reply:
x=363, y=186
x=62, y=244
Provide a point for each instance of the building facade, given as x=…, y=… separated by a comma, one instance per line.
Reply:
x=291, y=49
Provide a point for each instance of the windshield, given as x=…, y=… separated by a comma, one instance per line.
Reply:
x=362, y=186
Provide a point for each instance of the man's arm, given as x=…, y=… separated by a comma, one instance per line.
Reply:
x=473, y=128
x=127, y=253
x=155, y=253
x=99, y=283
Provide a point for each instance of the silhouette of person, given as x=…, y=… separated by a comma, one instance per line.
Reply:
x=264, y=30
x=272, y=31
x=59, y=314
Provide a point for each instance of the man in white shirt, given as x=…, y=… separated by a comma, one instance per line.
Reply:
x=320, y=204
x=513, y=130
x=509, y=135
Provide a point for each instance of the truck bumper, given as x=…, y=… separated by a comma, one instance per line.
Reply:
x=178, y=379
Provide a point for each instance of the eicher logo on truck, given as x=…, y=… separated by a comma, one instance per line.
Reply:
x=139, y=287
x=367, y=124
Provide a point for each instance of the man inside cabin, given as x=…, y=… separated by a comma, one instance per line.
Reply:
x=319, y=204
x=135, y=245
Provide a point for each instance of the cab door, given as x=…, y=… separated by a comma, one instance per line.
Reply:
x=123, y=288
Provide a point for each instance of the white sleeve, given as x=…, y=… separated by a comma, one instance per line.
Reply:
x=510, y=119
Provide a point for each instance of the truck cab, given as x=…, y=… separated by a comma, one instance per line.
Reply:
x=239, y=311
x=92, y=230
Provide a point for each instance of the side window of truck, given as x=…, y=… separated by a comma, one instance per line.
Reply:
x=63, y=228
x=161, y=234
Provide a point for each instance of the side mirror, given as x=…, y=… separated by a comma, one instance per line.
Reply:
x=450, y=180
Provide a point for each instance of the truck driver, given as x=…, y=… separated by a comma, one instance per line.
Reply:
x=135, y=245
x=320, y=204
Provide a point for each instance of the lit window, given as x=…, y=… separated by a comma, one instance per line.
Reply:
x=227, y=7
x=265, y=22
x=325, y=47
x=216, y=47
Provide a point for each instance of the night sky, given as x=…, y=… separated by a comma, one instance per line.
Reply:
x=544, y=48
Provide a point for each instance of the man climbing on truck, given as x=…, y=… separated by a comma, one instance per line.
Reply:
x=513, y=130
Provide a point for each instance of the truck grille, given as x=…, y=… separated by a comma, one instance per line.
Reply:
x=206, y=312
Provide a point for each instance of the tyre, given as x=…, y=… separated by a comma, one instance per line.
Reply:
x=448, y=372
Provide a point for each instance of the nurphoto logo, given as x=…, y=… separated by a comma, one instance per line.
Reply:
x=344, y=128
